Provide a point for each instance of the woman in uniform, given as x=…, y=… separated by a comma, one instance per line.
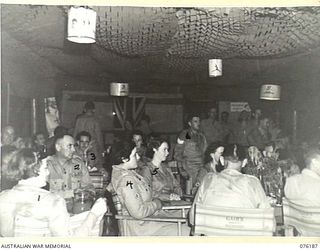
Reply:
x=135, y=195
x=29, y=200
x=158, y=174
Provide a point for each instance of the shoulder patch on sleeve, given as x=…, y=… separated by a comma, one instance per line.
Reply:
x=179, y=141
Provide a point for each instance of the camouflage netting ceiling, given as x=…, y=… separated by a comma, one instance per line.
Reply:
x=161, y=44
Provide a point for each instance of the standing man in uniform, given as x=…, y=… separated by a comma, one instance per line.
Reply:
x=89, y=123
x=190, y=148
x=211, y=128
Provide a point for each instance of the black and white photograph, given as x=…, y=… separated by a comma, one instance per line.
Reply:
x=179, y=121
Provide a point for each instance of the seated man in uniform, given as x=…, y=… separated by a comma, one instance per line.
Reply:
x=67, y=171
x=304, y=189
x=84, y=150
x=230, y=188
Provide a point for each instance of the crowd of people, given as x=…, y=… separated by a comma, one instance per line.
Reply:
x=246, y=165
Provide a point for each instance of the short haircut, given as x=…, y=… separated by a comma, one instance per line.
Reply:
x=270, y=144
x=59, y=131
x=225, y=113
x=34, y=137
x=312, y=153
x=23, y=164
x=89, y=105
x=229, y=153
x=83, y=133
x=122, y=151
x=60, y=137
x=136, y=132
x=191, y=116
x=211, y=149
x=154, y=143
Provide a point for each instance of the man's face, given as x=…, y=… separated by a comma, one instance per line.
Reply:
x=137, y=139
x=84, y=142
x=224, y=117
x=8, y=135
x=65, y=147
x=265, y=123
x=213, y=113
x=195, y=123
x=40, y=140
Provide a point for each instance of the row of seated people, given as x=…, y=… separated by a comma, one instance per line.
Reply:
x=30, y=199
x=141, y=191
x=144, y=188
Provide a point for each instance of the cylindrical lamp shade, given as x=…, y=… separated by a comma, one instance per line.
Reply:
x=215, y=67
x=82, y=25
x=270, y=92
x=119, y=89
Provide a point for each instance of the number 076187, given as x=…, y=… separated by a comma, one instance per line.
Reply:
x=309, y=246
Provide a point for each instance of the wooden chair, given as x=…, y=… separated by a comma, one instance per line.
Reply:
x=211, y=220
x=305, y=220
x=123, y=219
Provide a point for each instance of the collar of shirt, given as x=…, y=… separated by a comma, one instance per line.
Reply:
x=231, y=171
x=311, y=173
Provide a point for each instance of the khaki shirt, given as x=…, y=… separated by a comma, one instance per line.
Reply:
x=65, y=179
x=161, y=180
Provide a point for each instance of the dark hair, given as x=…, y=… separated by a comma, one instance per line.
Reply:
x=83, y=133
x=154, y=143
x=89, y=105
x=122, y=151
x=59, y=137
x=146, y=118
x=234, y=154
x=60, y=131
x=230, y=154
x=136, y=132
x=23, y=164
x=191, y=115
x=311, y=154
x=211, y=149
x=270, y=144
x=225, y=113
x=34, y=137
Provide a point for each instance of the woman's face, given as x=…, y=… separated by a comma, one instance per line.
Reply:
x=162, y=152
x=217, y=153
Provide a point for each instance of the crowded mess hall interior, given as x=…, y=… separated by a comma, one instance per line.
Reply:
x=159, y=121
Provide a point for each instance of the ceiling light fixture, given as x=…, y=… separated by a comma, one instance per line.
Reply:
x=119, y=89
x=82, y=25
x=270, y=92
x=215, y=67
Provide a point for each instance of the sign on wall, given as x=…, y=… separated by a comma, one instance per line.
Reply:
x=239, y=106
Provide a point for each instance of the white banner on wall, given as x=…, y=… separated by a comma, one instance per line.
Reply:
x=239, y=106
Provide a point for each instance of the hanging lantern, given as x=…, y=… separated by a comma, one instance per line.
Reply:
x=82, y=25
x=270, y=92
x=119, y=89
x=215, y=67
